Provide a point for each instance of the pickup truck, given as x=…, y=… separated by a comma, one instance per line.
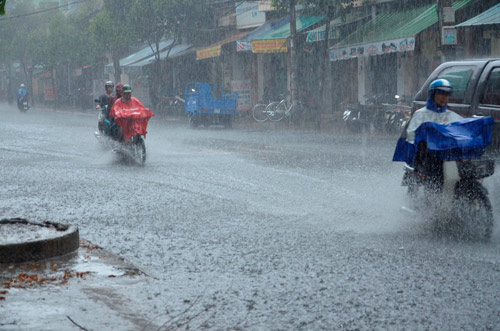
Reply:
x=476, y=91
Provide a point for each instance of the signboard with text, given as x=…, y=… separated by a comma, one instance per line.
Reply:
x=208, y=52
x=243, y=89
x=449, y=35
x=248, y=15
x=270, y=46
x=374, y=48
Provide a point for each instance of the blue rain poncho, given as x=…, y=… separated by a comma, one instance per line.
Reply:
x=464, y=139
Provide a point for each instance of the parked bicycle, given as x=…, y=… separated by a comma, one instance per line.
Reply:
x=261, y=112
x=276, y=111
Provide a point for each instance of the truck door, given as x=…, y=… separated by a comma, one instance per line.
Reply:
x=487, y=99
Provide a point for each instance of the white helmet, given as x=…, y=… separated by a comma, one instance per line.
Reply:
x=22, y=85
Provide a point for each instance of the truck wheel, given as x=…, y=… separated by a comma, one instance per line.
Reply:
x=228, y=122
x=194, y=121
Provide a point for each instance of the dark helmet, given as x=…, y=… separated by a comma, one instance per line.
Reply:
x=109, y=83
x=442, y=85
x=127, y=88
x=119, y=87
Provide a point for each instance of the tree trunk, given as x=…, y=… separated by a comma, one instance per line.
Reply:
x=53, y=82
x=116, y=65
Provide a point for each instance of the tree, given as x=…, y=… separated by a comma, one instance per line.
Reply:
x=289, y=5
x=2, y=7
x=112, y=28
x=155, y=20
x=330, y=9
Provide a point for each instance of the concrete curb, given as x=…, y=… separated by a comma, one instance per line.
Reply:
x=66, y=242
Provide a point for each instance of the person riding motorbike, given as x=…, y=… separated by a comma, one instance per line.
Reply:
x=104, y=98
x=436, y=111
x=103, y=102
x=22, y=93
x=127, y=102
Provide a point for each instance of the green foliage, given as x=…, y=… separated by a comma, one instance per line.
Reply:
x=2, y=7
x=175, y=19
x=47, y=38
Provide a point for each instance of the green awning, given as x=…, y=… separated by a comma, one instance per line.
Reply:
x=491, y=16
x=398, y=24
x=302, y=23
x=390, y=31
x=318, y=34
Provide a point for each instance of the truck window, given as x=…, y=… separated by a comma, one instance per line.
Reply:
x=491, y=95
x=459, y=77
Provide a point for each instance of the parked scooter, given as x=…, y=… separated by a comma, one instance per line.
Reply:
x=373, y=115
x=446, y=181
x=173, y=106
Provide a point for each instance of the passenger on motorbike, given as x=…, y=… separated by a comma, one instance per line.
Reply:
x=436, y=111
x=118, y=95
x=22, y=93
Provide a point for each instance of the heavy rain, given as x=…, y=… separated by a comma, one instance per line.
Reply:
x=229, y=164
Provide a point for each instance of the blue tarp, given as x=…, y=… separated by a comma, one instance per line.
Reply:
x=465, y=139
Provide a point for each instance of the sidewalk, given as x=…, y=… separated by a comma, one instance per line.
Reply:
x=91, y=289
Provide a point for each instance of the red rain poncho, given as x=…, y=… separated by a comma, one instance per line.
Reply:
x=131, y=116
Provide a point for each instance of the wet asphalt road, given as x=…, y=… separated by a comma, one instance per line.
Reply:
x=254, y=228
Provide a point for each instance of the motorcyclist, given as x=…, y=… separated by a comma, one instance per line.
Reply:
x=127, y=101
x=103, y=101
x=22, y=93
x=104, y=98
x=435, y=111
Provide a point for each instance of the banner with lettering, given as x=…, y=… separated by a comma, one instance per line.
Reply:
x=373, y=48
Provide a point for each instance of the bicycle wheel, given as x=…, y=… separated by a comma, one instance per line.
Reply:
x=259, y=112
x=275, y=111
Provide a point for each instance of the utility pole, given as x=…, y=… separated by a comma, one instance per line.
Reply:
x=447, y=31
x=293, y=57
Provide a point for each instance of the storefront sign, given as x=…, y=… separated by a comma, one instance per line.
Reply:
x=270, y=46
x=243, y=45
x=319, y=34
x=375, y=48
x=208, y=52
x=48, y=92
x=243, y=89
x=248, y=15
x=449, y=35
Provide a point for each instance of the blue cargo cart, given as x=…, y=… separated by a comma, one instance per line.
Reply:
x=203, y=107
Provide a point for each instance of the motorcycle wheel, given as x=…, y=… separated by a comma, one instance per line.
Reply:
x=139, y=150
x=473, y=213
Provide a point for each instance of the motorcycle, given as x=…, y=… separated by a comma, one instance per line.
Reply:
x=23, y=104
x=126, y=133
x=375, y=114
x=445, y=182
x=172, y=106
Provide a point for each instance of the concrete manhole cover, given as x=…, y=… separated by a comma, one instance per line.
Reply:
x=23, y=241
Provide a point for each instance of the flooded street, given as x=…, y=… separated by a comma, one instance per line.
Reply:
x=254, y=228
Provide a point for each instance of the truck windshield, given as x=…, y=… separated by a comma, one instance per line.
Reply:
x=459, y=77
